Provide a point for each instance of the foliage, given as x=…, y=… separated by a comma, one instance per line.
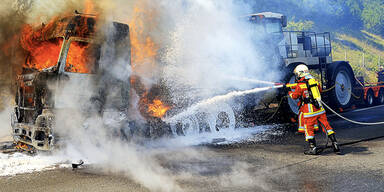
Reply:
x=364, y=58
x=339, y=14
x=373, y=15
x=299, y=25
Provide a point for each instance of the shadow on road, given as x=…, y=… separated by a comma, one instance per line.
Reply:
x=357, y=150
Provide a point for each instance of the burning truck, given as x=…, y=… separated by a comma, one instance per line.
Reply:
x=67, y=49
x=77, y=59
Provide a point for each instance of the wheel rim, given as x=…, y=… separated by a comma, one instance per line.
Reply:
x=291, y=102
x=222, y=120
x=224, y=110
x=343, y=87
x=187, y=126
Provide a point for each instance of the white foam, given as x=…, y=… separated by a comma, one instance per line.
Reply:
x=229, y=136
x=18, y=163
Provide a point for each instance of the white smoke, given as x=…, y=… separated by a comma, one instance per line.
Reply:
x=5, y=115
x=5, y=120
x=211, y=43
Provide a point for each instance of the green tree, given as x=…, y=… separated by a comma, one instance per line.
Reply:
x=373, y=15
x=299, y=25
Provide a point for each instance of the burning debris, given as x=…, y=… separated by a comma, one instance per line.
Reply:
x=157, y=108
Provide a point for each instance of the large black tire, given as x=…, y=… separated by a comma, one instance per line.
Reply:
x=343, y=80
x=380, y=98
x=369, y=99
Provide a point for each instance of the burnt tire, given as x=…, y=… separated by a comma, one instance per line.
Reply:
x=369, y=98
x=380, y=98
x=343, y=80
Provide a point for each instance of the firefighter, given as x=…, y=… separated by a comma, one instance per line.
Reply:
x=308, y=91
x=380, y=75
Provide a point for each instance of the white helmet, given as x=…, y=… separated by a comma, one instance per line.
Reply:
x=301, y=70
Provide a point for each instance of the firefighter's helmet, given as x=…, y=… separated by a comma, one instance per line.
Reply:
x=301, y=71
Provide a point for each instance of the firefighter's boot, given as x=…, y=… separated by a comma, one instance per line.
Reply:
x=335, y=146
x=312, y=147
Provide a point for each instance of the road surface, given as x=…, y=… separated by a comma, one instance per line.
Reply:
x=277, y=164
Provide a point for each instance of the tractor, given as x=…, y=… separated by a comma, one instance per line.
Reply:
x=314, y=50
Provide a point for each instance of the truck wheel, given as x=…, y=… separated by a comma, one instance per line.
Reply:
x=222, y=118
x=369, y=98
x=294, y=108
x=186, y=126
x=341, y=95
x=380, y=97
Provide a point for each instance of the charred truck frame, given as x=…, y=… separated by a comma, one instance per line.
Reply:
x=33, y=120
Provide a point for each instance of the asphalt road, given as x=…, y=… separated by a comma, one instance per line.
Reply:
x=276, y=165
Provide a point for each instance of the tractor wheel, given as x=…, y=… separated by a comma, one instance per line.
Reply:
x=289, y=107
x=341, y=95
x=292, y=104
x=369, y=99
x=380, y=98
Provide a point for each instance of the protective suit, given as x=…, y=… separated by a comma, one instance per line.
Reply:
x=312, y=112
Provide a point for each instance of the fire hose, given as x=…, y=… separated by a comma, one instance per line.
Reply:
x=352, y=121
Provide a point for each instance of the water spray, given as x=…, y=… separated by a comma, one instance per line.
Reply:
x=214, y=100
x=222, y=98
x=256, y=81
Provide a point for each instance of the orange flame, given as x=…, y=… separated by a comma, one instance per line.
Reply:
x=157, y=108
x=44, y=49
x=78, y=59
x=45, y=53
x=42, y=54
x=144, y=49
x=144, y=52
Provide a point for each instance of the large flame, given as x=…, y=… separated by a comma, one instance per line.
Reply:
x=157, y=108
x=78, y=58
x=43, y=49
x=41, y=54
x=144, y=53
x=144, y=50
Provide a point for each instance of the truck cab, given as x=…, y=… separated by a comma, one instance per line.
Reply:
x=63, y=62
